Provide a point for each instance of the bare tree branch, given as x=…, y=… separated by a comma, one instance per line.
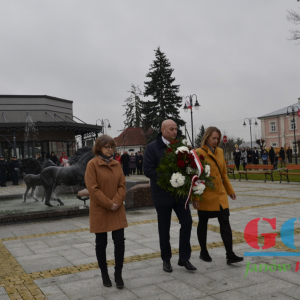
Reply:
x=294, y=17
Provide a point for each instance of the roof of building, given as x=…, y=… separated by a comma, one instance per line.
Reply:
x=35, y=96
x=248, y=144
x=281, y=111
x=131, y=136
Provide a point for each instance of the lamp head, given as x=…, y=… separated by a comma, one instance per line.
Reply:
x=185, y=108
x=109, y=127
x=244, y=124
x=197, y=105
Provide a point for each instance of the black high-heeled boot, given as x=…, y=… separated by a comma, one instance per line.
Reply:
x=204, y=255
x=232, y=258
x=105, y=278
x=118, y=279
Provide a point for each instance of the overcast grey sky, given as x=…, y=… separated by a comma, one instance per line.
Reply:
x=233, y=54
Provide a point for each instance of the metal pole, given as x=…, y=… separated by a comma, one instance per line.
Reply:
x=192, y=123
x=14, y=143
x=295, y=146
x=251, y=139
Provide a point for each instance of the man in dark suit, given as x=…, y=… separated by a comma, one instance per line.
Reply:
x=165, y=202
x=255, y=156
x=289, y=155
x=125, y=162
x=139, y=163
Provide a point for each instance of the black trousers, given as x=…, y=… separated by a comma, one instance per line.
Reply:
x=139, y=169
x=225, y=229
x=237, y=166
x=126, y=170
x=15, y=177
x=101, y=243
x=164, y=222
x=3, y=177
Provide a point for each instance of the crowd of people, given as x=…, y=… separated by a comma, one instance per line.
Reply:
x=244, y=157
x=131, y=164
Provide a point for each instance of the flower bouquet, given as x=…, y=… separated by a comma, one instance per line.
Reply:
x=182, y=173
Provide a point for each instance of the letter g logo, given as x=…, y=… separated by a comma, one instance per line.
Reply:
x=251, y=234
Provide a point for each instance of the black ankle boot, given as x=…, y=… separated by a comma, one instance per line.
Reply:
x=118, y=279
x=105, y=278
x=204, y=255
x=232, y=258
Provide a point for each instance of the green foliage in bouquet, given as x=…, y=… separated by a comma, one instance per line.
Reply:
x=176, y=169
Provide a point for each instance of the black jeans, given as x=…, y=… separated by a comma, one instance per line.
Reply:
x=164, y=222
x=139, y=169
x=101, y=243
x=126, y=170
x=225, y=229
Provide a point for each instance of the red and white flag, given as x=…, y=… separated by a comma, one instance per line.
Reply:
x=187, y=103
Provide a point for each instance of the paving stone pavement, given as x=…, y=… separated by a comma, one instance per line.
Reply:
x=55, y=259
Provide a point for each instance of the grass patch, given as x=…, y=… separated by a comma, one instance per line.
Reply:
x=276, y=176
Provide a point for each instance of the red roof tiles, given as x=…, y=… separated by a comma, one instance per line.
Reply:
x=132, y=136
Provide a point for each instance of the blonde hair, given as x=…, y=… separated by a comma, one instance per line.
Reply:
x=208, y=133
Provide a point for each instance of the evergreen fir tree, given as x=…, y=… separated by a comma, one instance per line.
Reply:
x=133, y=107
x=166, y=102
x=199, y=137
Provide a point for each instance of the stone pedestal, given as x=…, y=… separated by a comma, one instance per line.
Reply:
x=138, y=196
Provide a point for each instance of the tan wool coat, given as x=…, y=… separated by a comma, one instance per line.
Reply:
x=212, y=199
x=106, y=185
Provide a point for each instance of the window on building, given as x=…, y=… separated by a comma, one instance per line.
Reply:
x=292, y=124
x=273, y=126
x=274, y=145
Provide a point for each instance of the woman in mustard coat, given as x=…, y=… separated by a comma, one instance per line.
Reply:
x=215, y=202
x=105, y=182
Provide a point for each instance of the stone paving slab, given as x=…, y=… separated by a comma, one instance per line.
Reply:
x=63, y=250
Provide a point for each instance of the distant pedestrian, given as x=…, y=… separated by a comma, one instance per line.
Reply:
x=244, y=157
x=54, y=158
x=276, y=160
x=264, y=157
x=13, y=165
x=132, y=164
x=125, y=163
x=139, y=163
x=282, y=154
x=237, y=158
x=289, y=155
x=271, y=155
x=249, y=155
x=255, y=156
x=3, y=171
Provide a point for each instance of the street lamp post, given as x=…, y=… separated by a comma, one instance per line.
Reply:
x=250, y=123
x=293, y=108
x=103, y=124
x=189, y=105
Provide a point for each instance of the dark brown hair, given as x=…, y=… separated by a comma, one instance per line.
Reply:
x=207, y=134
x=102, y=141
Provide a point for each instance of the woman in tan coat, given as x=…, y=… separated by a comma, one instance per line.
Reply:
x=215, y=202
x=105, y=182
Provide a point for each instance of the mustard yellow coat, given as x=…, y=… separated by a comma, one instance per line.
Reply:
x=212, y=199
x=106, y=185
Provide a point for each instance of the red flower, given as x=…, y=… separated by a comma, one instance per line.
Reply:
x=180, y=155
x=173, y=142
x=193, y=165
x=169, y=150
x=180, y=163
x=201, y=157
x=191, y=157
